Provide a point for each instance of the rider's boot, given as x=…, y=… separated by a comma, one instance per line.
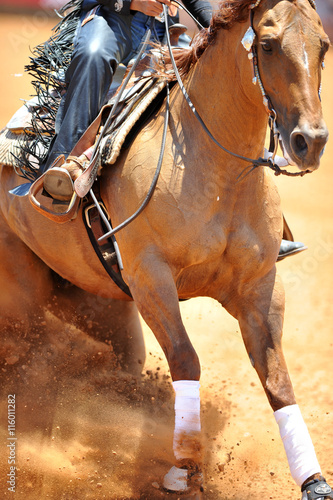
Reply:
x=59, y=179
x=288, y=248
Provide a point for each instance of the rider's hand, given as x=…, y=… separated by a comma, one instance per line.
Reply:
x=149, y=7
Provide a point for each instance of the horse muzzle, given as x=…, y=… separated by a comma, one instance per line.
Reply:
x=306, y=146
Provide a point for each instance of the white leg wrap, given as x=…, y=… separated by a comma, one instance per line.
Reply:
x=187, y=416
x=297, y=443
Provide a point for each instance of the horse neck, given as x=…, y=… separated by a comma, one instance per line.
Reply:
x=221, y=88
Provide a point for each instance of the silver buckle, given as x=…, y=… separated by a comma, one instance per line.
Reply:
x=89, y=207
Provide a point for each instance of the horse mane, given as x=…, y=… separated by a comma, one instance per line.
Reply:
x=228, y=13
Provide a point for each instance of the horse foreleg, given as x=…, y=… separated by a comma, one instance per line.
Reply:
x=260, y=316
x=154, y=291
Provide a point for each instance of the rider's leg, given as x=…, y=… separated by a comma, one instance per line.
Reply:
x=101, y=44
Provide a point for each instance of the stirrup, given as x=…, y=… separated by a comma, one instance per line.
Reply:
x=317, y=489
x=59, y=217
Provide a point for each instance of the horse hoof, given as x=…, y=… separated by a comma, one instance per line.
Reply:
x=317, y=489
x=176, y=480
x=183, y=482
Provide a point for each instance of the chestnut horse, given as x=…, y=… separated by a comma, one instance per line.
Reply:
x=207, y=231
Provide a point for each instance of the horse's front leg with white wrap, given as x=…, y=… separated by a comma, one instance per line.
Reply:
x=157, y=300
x=186, y=442
x=297, y=443
x=301, y=455
x=261, y=319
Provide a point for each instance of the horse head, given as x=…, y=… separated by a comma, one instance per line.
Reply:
x=290, y=45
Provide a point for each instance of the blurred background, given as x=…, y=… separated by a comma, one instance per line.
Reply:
x=18, y=5
x=325, y=9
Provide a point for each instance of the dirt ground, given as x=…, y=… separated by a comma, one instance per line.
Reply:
x=94, y=435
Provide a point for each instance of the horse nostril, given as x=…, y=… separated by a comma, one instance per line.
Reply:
x=307, y=143
x=300, y=144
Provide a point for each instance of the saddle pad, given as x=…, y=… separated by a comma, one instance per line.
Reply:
x=19, y=134
x=10, y=144
x=128, y=117
x=13, y=144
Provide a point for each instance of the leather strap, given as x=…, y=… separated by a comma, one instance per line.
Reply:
x=95, y=228
x=255, y=163
x=287, y=234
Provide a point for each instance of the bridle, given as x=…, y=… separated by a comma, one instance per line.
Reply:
x=274, y=133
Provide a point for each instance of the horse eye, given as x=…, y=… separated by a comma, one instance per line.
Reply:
x=266, y=46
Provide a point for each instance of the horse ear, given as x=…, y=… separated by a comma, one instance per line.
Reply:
x=248, y=39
